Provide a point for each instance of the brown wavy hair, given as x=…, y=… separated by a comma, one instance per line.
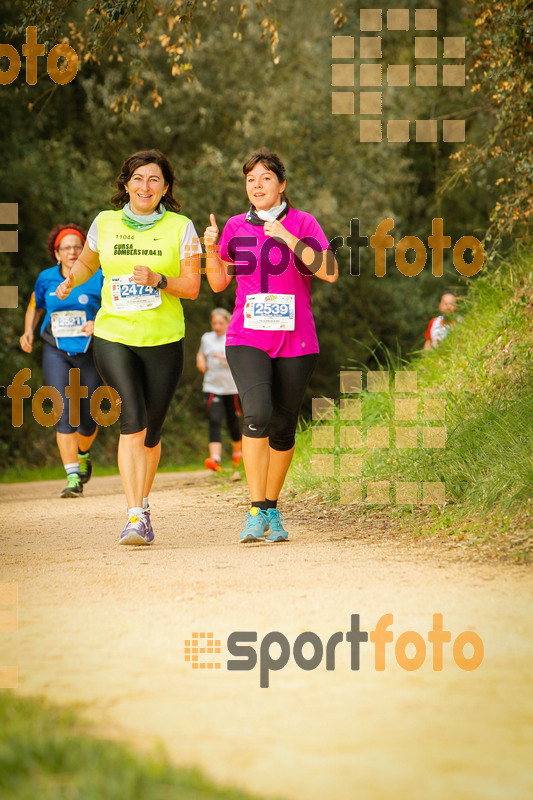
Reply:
x=121, y=197
x=54, y=233
x=272, y=162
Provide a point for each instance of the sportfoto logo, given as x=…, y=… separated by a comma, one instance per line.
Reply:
x=17, y=391
x=275, y=257
x=32, y=50
x=345, y=445
x=309, y=651
x=439, y=62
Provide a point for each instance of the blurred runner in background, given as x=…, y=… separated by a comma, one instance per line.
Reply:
x=439, y=327
x=219, y=389
x=67, y=331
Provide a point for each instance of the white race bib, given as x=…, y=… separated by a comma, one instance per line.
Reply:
x=269, y=312
x=67, y=323
x=126, y=295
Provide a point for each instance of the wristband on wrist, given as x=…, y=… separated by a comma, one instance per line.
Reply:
x=162, y=283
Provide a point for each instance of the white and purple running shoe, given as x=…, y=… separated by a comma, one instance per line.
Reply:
x=135, y=532
x=149, y=529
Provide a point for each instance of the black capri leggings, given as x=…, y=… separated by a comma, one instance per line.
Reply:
x=216, y=404
x=145, y=378
x=271, y=392
x=56, y=369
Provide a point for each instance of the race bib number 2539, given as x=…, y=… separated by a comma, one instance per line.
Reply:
x=269, y=312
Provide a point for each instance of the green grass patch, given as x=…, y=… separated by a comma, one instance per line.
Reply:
x=483, y=372
x=48, y=753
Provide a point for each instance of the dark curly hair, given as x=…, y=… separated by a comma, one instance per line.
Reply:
x=272, y=162
x=137, y=160
x=54, y=233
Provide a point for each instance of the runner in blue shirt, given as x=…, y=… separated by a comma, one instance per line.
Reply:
x=67, y=334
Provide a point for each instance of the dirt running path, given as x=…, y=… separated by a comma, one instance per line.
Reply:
x=106, y=625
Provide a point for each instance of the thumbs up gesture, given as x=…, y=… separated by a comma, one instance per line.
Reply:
x=211, y=234
x=64, y=289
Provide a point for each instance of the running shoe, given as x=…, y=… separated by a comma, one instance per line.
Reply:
x=275, y=522
x=135, y=532
x=211, y=463
x=254, y=526
x=86, y=467
x=236, y=460
x=149, y=529
x=73, y=487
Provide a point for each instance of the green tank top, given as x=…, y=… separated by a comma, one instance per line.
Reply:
x=126, y=317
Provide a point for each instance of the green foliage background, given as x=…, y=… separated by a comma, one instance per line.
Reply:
x=234, y=92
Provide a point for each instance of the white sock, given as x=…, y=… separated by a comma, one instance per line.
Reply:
x=146, y=504
x=136, y=511
x=73, y=467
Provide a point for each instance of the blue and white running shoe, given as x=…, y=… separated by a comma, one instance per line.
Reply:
x=275, y=524
x=254, y=526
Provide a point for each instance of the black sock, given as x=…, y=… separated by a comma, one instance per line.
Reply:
x=261, y=504
x=270, y=504
x=82, y=452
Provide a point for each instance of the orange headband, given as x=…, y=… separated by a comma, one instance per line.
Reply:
x=67, y=232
